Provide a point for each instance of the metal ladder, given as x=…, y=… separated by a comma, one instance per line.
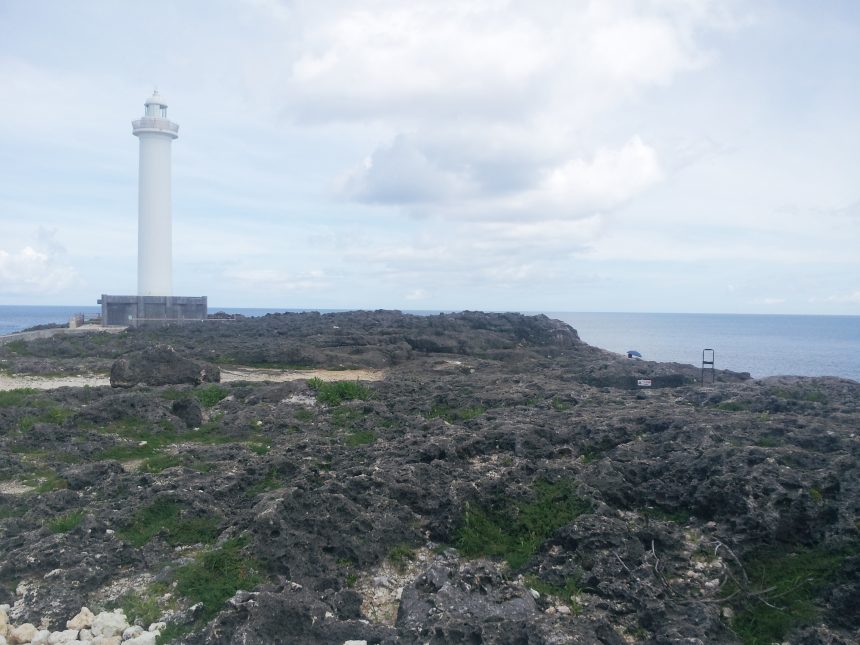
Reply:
x=708, y=363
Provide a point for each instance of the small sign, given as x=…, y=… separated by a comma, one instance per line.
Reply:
x=644, y=382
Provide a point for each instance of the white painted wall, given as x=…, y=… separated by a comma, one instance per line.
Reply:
x=154, y=232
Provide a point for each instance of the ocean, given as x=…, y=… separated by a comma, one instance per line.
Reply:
x=763, y=345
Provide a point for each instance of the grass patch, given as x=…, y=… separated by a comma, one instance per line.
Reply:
x=65, y=523
x=159, y=462
x=400, y=556
x=768, y=442
x=142, y=608
x=516, y=530
x=560, y=406
x=175, y=395
x=336, y=392
x=566, y=592
x=732, y=406
x=209, y=395
x=344, y=416
x=257, y=448
x=360, y=438
x=20, y=397
x=166, y=515
x=269, y=482
x=18, y=347
x=44, y=481
x=216, y=575
x=7, y=512
x=454, y=415
x=304, y=415
x=783, y=593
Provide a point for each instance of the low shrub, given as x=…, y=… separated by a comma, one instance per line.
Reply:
x=516, y=530
x=336, y=392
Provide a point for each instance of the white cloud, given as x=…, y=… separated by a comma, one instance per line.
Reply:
x=32, y=271
x=402, y=173
x=853, y=297
x=416, y=294
x=609, y=179
x=272, y=281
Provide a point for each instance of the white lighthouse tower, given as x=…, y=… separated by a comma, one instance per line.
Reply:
x=154, y=303
x=154, y=236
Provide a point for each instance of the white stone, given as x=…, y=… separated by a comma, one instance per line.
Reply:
x=83, y=620
x=145, y=638
x=42, y=637
x=4, y=620
x=355, y=643
x=22, y=634
x=132, y=632
x=535, y=594
x=85, y=635
x=106, y=640
x=157, y=627
x=3, y=640
x=563, y=609
x=66, y=636
x=110, y=624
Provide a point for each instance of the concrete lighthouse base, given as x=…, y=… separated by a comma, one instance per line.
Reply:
x=135, y=311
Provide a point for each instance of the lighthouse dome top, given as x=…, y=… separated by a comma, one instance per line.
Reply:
x=154, y=120
x=156, y=99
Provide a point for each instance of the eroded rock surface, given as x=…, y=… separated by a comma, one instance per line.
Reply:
x=504, y=483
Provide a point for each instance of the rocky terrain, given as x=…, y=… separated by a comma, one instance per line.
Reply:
x=503, y=483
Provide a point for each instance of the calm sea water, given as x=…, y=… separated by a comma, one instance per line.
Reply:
x=763, y=345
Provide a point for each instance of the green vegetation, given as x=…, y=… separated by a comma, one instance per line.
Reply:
x=336, y=392
x=665, y=515
x=566, y=592
x=216, y=575
x=782, y=591
x=21, y=397
x=305, y=415
x=45, y=481
x=18, y=347
x=768, y=441
x=733, y=406
x=344, y=416
x=209, y=395
x=811, y=396
x=558, y=404
x=167, y=516
x=257, y=447
x=454, y=415
x=65, y=523
x=360, y=438
x=41, y=410
x=269, y=482
x=7, y=512
x=142, y=608
x=159, y=462
x=517, y=529
x=400, y=556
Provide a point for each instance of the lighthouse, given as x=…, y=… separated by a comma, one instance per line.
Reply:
x=154, y=303
x=154, y=231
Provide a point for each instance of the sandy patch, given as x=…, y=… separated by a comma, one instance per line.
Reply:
x=14, y=488
x=279, y=376
x=12, y=382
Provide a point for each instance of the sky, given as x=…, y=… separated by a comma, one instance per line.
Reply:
x=606, y=155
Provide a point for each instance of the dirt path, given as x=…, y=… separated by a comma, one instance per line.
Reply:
x=12, y=382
